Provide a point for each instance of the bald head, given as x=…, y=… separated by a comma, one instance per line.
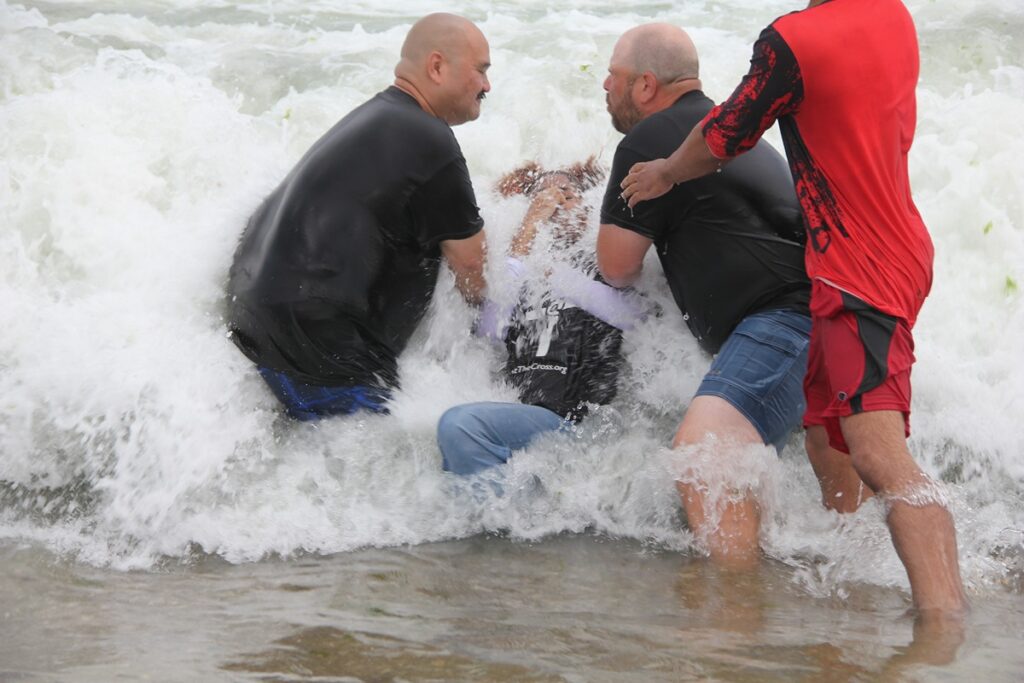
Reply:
x=651, y=67
x=444, y=64
x=663, y=49
x=442, y=32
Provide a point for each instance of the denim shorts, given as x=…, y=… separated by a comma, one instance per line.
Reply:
x=760, y=370
x=307, y=402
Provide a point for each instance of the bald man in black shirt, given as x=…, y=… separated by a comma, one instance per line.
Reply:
x=336, y=268
x=732, y=248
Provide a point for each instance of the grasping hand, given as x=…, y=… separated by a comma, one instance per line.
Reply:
x=544, y=205
x=546, y=202
x=646, y=180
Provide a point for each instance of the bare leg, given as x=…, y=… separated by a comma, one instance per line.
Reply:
x=841, y=488
x=922, y=530
x=734, y=541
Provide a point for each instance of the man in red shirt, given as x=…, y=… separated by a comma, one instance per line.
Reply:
x=840, y=78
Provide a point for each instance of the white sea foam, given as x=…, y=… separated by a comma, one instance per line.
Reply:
x=135, y=141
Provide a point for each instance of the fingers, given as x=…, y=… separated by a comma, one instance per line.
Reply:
x=633, y=191
x=633, y=185
x=645, y=180
x=634, y=199
x=634, y=173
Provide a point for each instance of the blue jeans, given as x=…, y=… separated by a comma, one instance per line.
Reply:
x=760, y=370
x=311, y=402
x=476, y=436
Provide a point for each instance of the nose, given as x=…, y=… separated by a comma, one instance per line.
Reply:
x=606, y=85
x=487, y=84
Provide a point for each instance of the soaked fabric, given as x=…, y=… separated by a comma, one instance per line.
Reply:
x=760, y=371
x=477, y=436
x=308, y=402
x=337, y=267
x=561, y=357
x=860, y=361
x=564, y=342
x=847, y=118
x=731, y=243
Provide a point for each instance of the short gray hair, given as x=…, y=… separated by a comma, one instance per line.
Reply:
x=664, y=50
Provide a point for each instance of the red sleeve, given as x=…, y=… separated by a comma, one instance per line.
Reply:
x=772, y=88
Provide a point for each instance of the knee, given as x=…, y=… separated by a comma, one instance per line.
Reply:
x=466, y=443
x=816, y=443
x=452, y=436
x=874, y=469
x=887, y=470
x=452, y=421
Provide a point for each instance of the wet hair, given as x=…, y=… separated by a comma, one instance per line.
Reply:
x=527, y=179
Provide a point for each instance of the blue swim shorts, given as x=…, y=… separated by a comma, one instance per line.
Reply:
x=310, y=402
x=760, y=370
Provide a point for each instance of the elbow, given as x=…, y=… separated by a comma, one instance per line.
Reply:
x=618, y=275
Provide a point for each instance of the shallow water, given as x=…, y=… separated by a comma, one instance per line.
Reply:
x=569, y=608
x=153, y=503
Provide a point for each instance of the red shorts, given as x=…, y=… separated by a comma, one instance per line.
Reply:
x=859, y=361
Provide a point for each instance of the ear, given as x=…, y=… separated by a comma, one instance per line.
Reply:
x=648, y=87
x=435, y=67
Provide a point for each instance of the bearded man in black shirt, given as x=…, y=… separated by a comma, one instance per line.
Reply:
x=337, y=266
x=732, y=248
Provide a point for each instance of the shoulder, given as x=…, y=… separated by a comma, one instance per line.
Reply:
x=404, y=102
x=795, y=17
x=799, y=21
x=407, y=121
x=662, y=132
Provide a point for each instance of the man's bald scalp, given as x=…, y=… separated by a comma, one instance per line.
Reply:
x=442, y=32
x=664, y=50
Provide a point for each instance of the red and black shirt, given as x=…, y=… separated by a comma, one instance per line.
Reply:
x=840, y=78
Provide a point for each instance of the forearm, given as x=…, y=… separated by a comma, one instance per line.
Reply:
x=543, y=207
x=466, y=259
x=650, y=180
x=471, y=284
x=495, y=313
x=522, y=243
x=616, y=308
x=692, y=159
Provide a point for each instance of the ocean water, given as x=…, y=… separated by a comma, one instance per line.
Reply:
x=140, y=454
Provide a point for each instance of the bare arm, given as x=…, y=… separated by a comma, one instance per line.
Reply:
x=542, y=208
x=652, y=179
x=466, y=259
x=620, y=254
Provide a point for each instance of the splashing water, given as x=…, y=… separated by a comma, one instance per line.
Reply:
x=136, y=139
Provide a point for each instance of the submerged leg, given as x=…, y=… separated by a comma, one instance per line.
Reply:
x=726, y=521
x=841, y=488
x=476, y=436
x=921, y=526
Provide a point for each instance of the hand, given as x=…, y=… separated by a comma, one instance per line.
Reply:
x=646, y=180
x=546, y=202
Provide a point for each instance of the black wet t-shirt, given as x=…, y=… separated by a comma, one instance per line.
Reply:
x=562, y=357
x=337, y=267
x=731, y=243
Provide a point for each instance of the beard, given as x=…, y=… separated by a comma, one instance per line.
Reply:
x=625, y=115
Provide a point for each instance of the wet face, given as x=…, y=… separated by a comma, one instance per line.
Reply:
x=618, y=88
x=467, y=80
